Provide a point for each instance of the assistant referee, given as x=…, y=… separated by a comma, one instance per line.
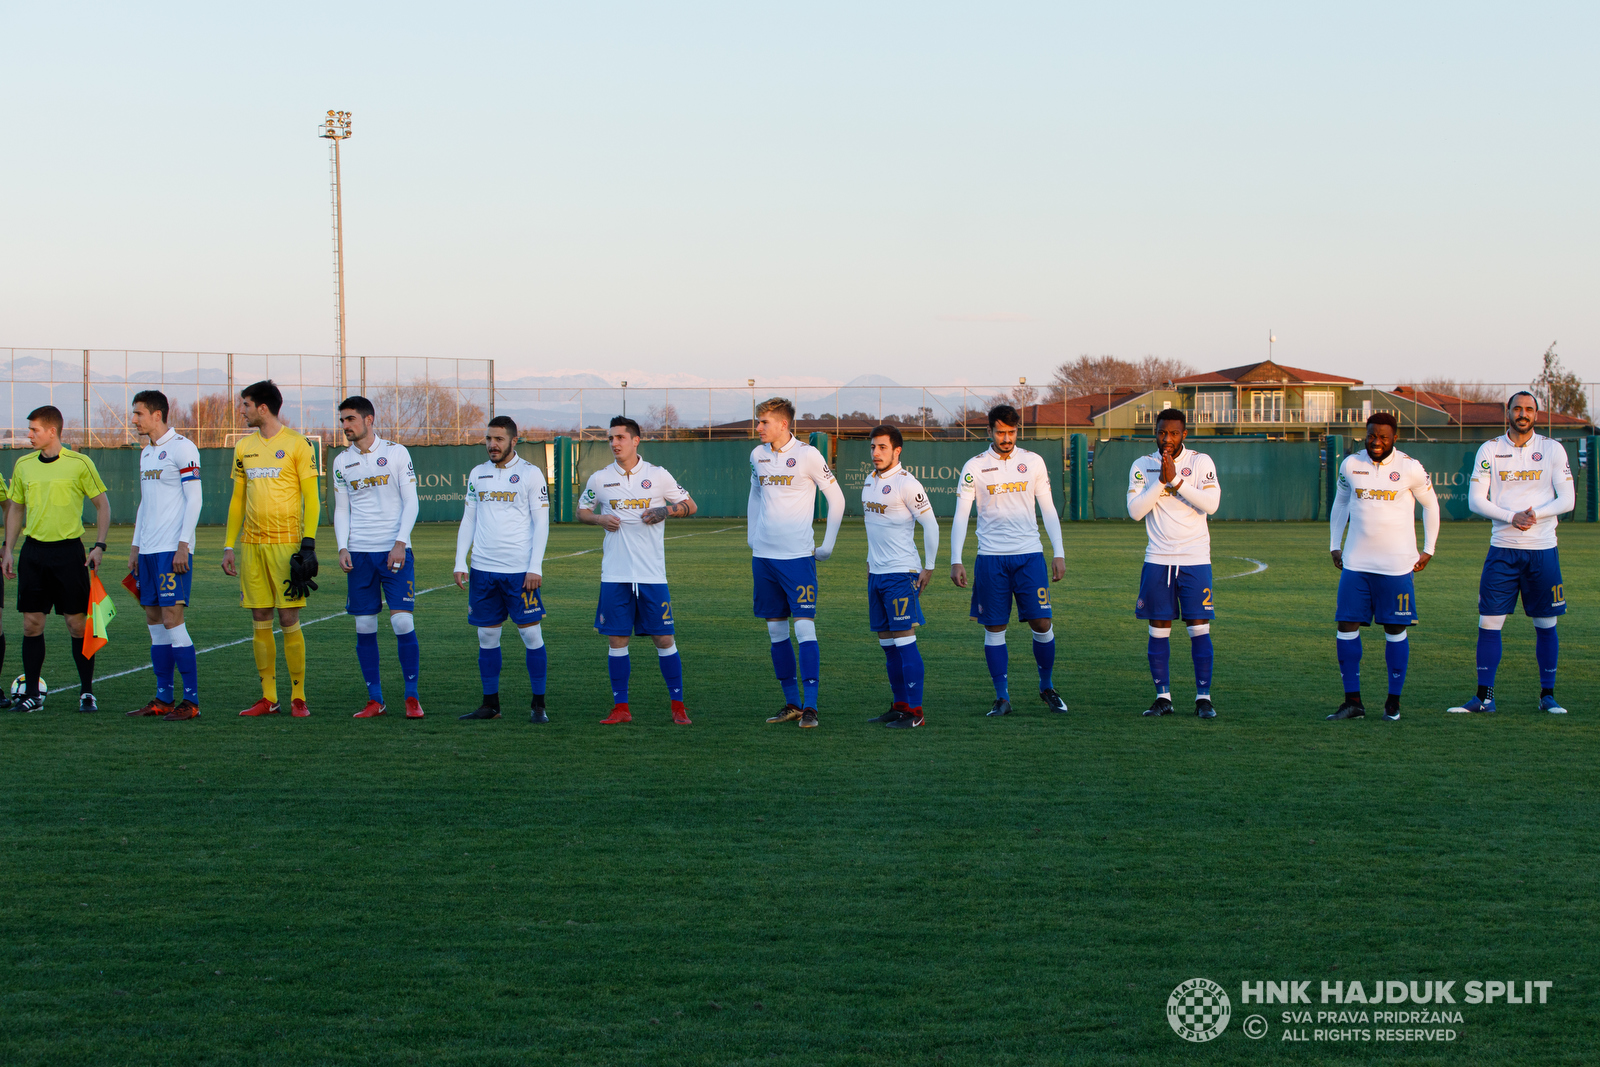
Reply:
x=48, y=488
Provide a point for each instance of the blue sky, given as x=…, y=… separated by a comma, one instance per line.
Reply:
x=933, y=192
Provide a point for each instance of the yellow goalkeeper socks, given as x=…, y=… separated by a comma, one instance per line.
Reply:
x=266, y=651
x=294, y=653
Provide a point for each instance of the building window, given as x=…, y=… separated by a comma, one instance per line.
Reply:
x=1319, y=406
x=1266, y=406
x=1213, y=407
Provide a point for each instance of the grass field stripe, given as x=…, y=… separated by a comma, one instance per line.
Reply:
x=1244, y=574
x=340, y=614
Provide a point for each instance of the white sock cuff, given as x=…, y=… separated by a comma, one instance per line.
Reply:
x=366, y=624
x=401, y=622
x=990, y=637
x=158, y=634
x=1401, y=636
x=904, y=641
x=885, y=641
x=1046, y=637
x=1491, y=622
x=805, y=629
x=1199, y=630
x=179, y=637
x=1161, y=633
x=1546, y=622
x=1348, y=635
x=778, y=630
x=623, y=651
x=670, y=650
x=488, y=637
x=532, y=636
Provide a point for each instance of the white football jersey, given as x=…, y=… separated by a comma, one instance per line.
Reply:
x=894, y=505
x=1176, y=527
x=636, y=552
x=1379, y=501
x=169, y=469
x=374, y=497
x=1507, y=479
x=506, y=521
x=1006, y=492
x=783, y=494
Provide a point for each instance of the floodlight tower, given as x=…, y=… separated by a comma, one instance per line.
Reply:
x=336, y=127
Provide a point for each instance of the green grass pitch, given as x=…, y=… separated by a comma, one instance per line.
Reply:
x=1015, y=891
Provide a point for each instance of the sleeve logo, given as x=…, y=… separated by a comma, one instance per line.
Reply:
x=967, y=478
x=1484, y=465
x=1138, y=476
x=278, y=454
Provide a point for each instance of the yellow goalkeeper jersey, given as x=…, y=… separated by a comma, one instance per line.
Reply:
x=271, y=469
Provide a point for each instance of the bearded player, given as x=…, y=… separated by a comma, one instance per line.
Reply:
x=1173, y=490
x=1521, y=482
x=1006, y=483
x=1379, y=491
x=894, y=504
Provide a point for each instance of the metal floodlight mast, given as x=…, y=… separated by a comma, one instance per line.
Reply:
x=336, y=127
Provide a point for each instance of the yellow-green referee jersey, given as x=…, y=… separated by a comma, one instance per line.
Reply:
x=54, y=492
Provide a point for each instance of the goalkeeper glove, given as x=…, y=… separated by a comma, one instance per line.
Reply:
x=302, y=570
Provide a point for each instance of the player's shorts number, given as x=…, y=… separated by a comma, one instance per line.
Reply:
x=1044, y=596
x=1206, y=603
x=902, y=605
x=1557, y=595
x=167, y=583
x=666, y=612
x=807, y=594
x=1402, y=603
x=530, y=598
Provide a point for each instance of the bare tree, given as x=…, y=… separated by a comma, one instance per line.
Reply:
x=1475, y=392
x=1559, y=390
x=426, y=412
x=1101, y=374
x=663, y=418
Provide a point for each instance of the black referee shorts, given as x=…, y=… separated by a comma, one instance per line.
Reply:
x=51, y=574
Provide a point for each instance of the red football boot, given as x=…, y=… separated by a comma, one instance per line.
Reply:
x=371, y=711
x=155, y=707
x=298, y=709
x=261, y=707
x=680, y=714
x=186, y=709
x=618, y=714
x=413, y=708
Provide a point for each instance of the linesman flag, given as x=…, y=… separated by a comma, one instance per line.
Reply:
x=101, y=612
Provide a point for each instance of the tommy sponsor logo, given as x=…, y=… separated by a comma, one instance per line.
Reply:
x=1521, y=476
x=637, y=504
x=152, y=475
x=1006, y=487
x=263, y=472
x=503, y=496
x=874, y=507
x=367, y=483
x=1377, y=494
x=777, y=479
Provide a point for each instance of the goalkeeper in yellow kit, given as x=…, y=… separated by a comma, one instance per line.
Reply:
x=274, y=483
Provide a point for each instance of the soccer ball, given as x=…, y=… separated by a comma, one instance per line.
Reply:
x=19, y=686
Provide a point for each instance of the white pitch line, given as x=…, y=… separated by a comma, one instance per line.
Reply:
x=1259, y=567
x=341, y=614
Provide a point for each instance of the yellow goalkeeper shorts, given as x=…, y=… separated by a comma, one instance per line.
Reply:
x=263, y=570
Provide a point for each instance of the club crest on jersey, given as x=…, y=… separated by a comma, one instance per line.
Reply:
x=645, y=484
x=789, y=462
x=887, y=490
x=1394, y=476
x=383, y=461
x=1022, y=468
x=278, y=454
x=515, y=478
x=163, y=455
x=1186, y=472
x=1537, y=456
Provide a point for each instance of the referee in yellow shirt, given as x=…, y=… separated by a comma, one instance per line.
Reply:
x=274, y=484
x=48, y=488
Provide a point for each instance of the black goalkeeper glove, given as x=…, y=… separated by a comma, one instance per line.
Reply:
x=302, y=570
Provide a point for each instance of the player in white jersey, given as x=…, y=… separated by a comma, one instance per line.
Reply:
x=1378, y=495
x=632, y=500
x=1173, y=489
x=506, y=524
x=894, y=504
x=1007, y=483
x=785, y=475
x=374, y=509
x=1521, y=482
x=161, y=556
